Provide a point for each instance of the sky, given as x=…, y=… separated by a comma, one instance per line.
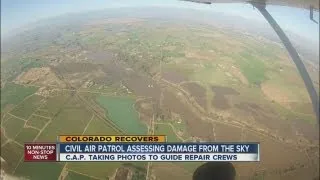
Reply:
x=17, y=13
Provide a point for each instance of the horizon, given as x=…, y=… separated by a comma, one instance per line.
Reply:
x=18, y=14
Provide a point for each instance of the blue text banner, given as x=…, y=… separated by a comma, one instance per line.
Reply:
x=159, y=148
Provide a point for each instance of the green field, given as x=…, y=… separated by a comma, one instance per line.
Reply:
x=3, y=138
x=76, y=176
x=122, y=113
x=26, y=135
x=27, y=107
x=12, y=153
x=39, y=171
x=65, y=123
x=167, y=130
x=252, y=68
x=12, y=127
x=53, y=104
x=100, y=127
x=14, y=93
x=98, y=169
x=37, y=121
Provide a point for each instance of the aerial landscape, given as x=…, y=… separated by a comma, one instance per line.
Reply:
x=140, y=72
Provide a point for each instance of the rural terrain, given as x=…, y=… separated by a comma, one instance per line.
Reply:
x=132, y=75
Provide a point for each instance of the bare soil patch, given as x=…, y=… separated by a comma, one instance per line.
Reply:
x=198, y=92
x=245, y=170
x=101, y=57
x=301, y=173
x=114, y=72
x=72, y=68
x=268, y=118
x=169, y=48
x=276, y=157
x=219, y=100
x=238, y=74
x=122, y=173
x=302, y=107
x=227, y=133
x=309, y=131
x=40, y=76
x=276, y=95
x=173, y=76
x=143, y=86
x=200, y=55
x=195, y=126
x=146, y=109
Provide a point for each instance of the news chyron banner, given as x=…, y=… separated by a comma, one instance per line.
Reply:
x=137, y=148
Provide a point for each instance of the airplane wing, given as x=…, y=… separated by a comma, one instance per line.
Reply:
x=291, y=3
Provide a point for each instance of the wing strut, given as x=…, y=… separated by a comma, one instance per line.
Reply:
x=294, y=55
x=311, y=14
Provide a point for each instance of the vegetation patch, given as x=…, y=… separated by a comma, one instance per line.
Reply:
x=99, y=169
x=37, y=121
x=166, y=129
x=252, y=68
x=14, y=93
x=54, y=104
x=39, y=171
x=12, y=127
x=27, y=107
x=76, y=176
x=26, y=135
x=12, y=153
x=64, y=123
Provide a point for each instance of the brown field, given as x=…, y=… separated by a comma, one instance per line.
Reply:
x=309, y=131
x=198, y=92
x=301, y=173
x=245, y=170
x=220, y=101
x=278, y=158
x=40, y=76
x=173, y=76
x=238, y=74
x=166, y=171
x=169, y=48
x=122, y=173
x=195, y=126
x=143, y=86
x=100, y=57
x=145, y=107
x=72, y=68
x=106, y=60
x=275, y=94
x=302, y=107
x=227, y=133
x=200, y=55
x=79, y=73
x=268, y=118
